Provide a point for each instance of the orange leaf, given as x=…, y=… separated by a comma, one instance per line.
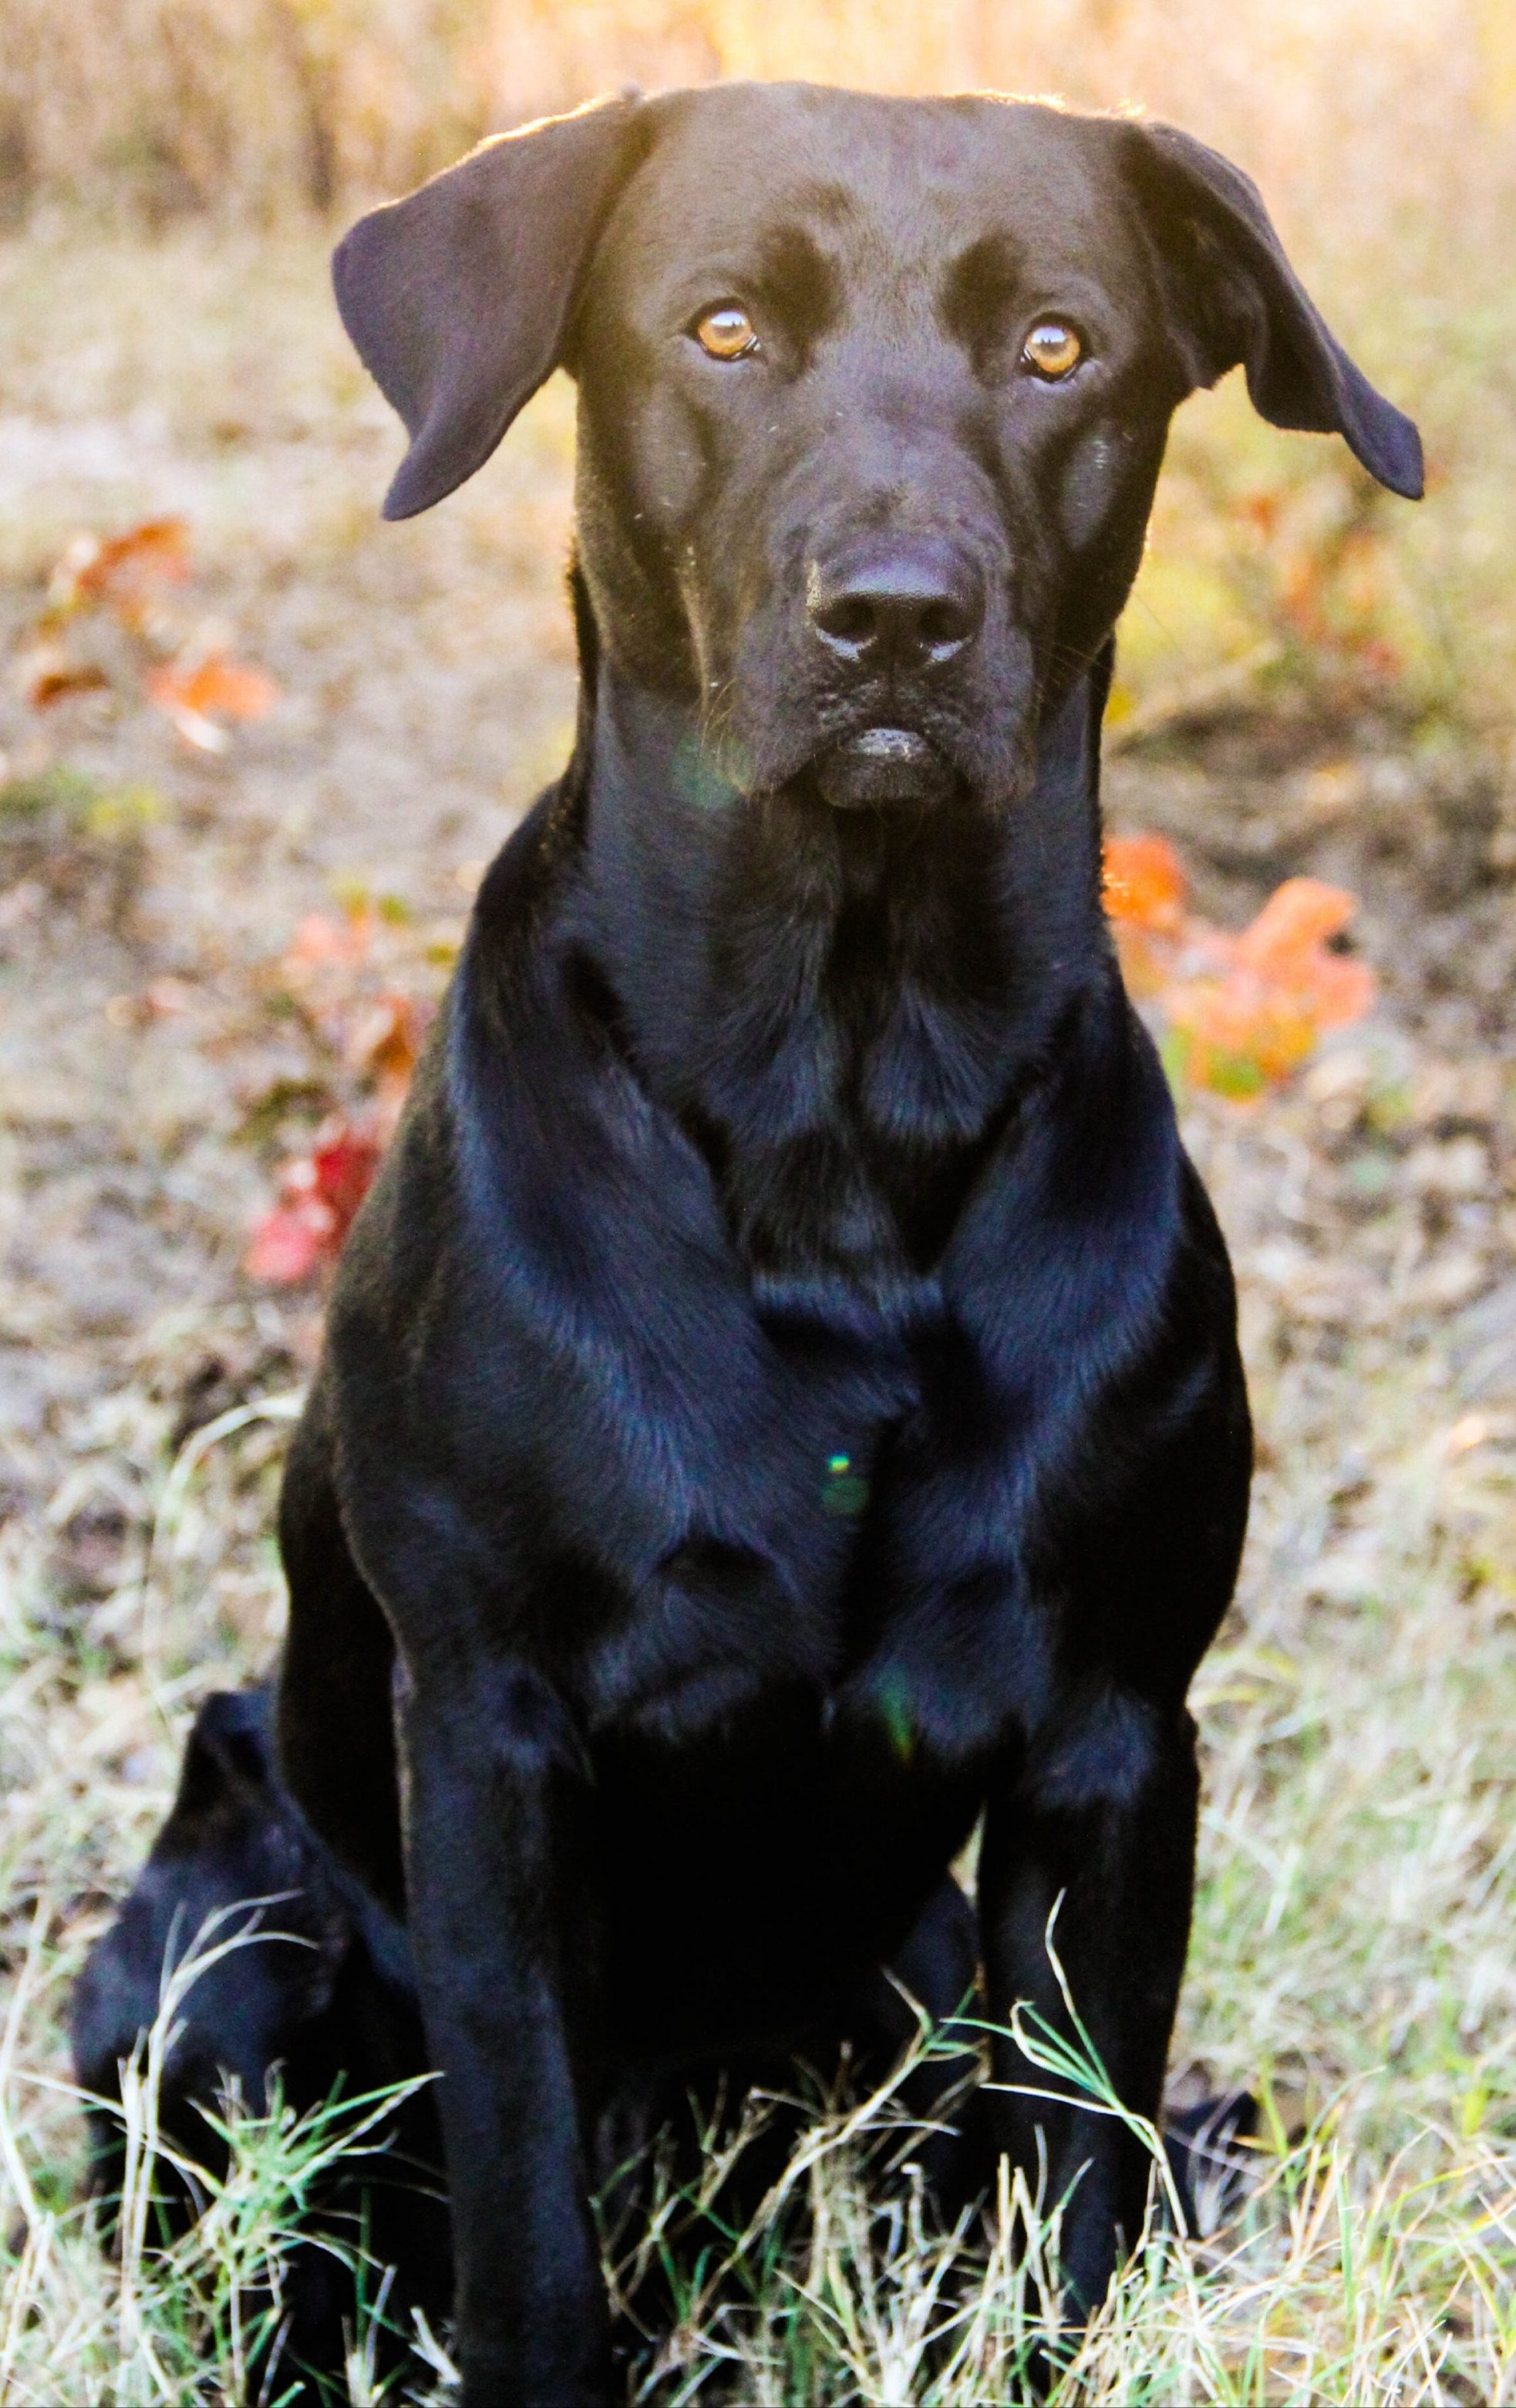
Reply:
x=1296, y=921
x=1286, y=945
x=387, y=1041
x=1145, y=884
x=156, y=547
x=1340, y=991
x=1244, y=1012
x=216, y=688
x=121, y=570
x=1240, y=1026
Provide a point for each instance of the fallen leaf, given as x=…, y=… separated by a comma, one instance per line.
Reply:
x=56, y=685
x=344, y=1168
x=47, y=676
x=1298, y=916
x=1285, y=947
x=289, y=1242
x=319, y=939
x=388, y=1039
x=122, y=571
x=319, y=1194
x=216, y=688
x=1144, y=882
x=1241, y=1012
x=1237, y=1036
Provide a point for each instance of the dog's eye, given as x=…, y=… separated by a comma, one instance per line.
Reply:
x=1052, y=349
x=727, y=332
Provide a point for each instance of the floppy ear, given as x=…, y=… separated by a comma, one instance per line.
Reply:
x=1235, y=296
x=228, y=1756
x=458, y=297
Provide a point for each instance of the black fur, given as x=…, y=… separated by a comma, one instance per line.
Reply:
x=321, y=2001
x=781, y=1400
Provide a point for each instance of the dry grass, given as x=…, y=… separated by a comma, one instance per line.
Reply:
x=1355, y=1942
x=248, y=105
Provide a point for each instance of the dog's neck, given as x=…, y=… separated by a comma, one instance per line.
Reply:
x=842, y=1009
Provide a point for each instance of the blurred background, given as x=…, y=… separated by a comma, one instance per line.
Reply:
x=255, y=750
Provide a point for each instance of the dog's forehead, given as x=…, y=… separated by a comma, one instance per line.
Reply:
x=898, y=185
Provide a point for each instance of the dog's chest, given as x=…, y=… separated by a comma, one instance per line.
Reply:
x=752, y=1591
x=840, y=1044
x=805, y=1586
x=842, y=1161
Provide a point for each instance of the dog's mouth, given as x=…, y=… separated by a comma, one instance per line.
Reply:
x=881, y=768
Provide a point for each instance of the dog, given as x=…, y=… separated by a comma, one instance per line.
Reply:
x=781, y=1402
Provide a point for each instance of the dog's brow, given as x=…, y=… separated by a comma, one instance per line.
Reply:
x=979, y=284
x=795, y=276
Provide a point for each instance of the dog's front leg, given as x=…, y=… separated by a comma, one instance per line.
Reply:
x=1099, y=1820
x=494, y=1801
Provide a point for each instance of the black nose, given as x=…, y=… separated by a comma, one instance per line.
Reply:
x=896, y=606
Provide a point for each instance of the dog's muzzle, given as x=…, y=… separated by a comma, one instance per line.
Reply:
x=881, y=768
x=889, y=613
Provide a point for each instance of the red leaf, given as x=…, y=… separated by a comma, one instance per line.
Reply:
x=290, y=1242
x=344, y=1170
x=319, y=1194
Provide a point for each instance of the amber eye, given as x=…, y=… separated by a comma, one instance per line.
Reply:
x=1052, y=349
x=727, y=333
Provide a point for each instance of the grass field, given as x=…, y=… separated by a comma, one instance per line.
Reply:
x=1308, y=684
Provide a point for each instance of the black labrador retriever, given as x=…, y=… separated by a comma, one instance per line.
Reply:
x=781, y=1398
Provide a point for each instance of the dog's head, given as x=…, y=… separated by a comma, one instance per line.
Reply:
x=873, y=395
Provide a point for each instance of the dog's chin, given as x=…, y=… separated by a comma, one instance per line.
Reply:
x=882, y=768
